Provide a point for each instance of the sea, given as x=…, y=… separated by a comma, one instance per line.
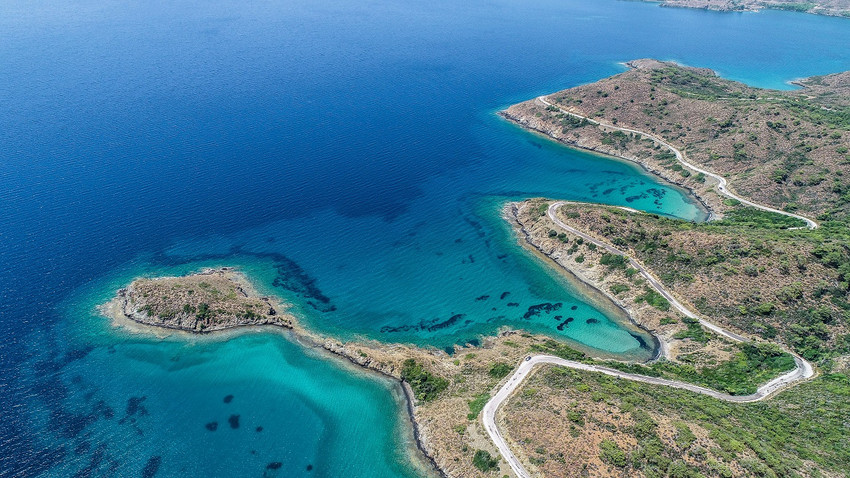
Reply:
x=348, y=157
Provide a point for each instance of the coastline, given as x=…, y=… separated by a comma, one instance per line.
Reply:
x=713, y=209
x=751, y=7
x=432, y=443
x=608, y=302
x=598, y=297
x=297, y=334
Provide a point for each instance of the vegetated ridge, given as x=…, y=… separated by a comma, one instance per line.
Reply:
x=789, y=150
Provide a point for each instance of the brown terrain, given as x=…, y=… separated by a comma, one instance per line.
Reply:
x=215, y=299
x=836, y=8
x=782, y=285
x=598, y=426
x=786, y=149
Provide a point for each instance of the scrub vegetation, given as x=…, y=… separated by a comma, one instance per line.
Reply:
x=787, y=149
x=602, y=426
x=746, y=271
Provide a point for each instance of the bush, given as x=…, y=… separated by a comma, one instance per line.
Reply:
x=426, y=386
x=484, y=461
x=653, y=298
x=611, y=454
x=477, y=404
x=614, y=261
x=500, y=370
x=618, y=288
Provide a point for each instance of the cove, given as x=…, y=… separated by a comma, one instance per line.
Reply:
x=346, y=156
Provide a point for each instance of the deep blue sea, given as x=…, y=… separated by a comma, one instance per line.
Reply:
x=347, y=156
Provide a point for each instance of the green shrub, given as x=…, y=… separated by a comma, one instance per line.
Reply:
x=500, y=370
x=613, y=261
x=653, y=298
x=477, y=404
x=484, y=461
x=616, y=289
x=426, y=386
x=610, y=453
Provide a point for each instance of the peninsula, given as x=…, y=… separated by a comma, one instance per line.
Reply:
x=786, y=150
x=764, y=283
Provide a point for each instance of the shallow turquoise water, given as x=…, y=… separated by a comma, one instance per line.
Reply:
x=348, y=157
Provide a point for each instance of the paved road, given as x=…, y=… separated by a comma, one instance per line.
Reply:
x=643, y=272
x=722, y=187
x=802, y=371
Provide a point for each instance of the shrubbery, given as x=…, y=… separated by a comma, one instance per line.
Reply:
x=484, y=461
x=426, y=386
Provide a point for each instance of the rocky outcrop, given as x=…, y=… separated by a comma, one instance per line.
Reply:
x=212, y=300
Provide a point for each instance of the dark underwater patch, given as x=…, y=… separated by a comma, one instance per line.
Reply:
x=504, y=294
x=430, y=326
x=290, y=276
x=152, y=467
x=228, y=398
x=94, y=462
x=592, y=321
x=233, y=420
x=546, y=307
x=70, y=425
x=134, y=406
x=641, y=341
x=211, y=426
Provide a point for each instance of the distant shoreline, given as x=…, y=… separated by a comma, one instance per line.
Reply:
x=813, y=7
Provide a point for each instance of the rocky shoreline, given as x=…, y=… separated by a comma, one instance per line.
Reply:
x=208, y=301
x=706, y=197
x=441, y=450
x=643, y=318
x=832, y=8
x=129, y=308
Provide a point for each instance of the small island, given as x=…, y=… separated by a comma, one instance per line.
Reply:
x=208, y=301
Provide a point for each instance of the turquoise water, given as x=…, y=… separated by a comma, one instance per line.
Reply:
x=347, y=156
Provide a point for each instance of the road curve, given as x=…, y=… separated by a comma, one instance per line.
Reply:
x=722, y=187
x=551, y=212
x=802, y=371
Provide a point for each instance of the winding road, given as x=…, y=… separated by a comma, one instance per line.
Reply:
x=802, y=371
x=722, y=186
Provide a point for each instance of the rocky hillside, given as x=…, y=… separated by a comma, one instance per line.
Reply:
x=787, y=149
x=782, y=285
